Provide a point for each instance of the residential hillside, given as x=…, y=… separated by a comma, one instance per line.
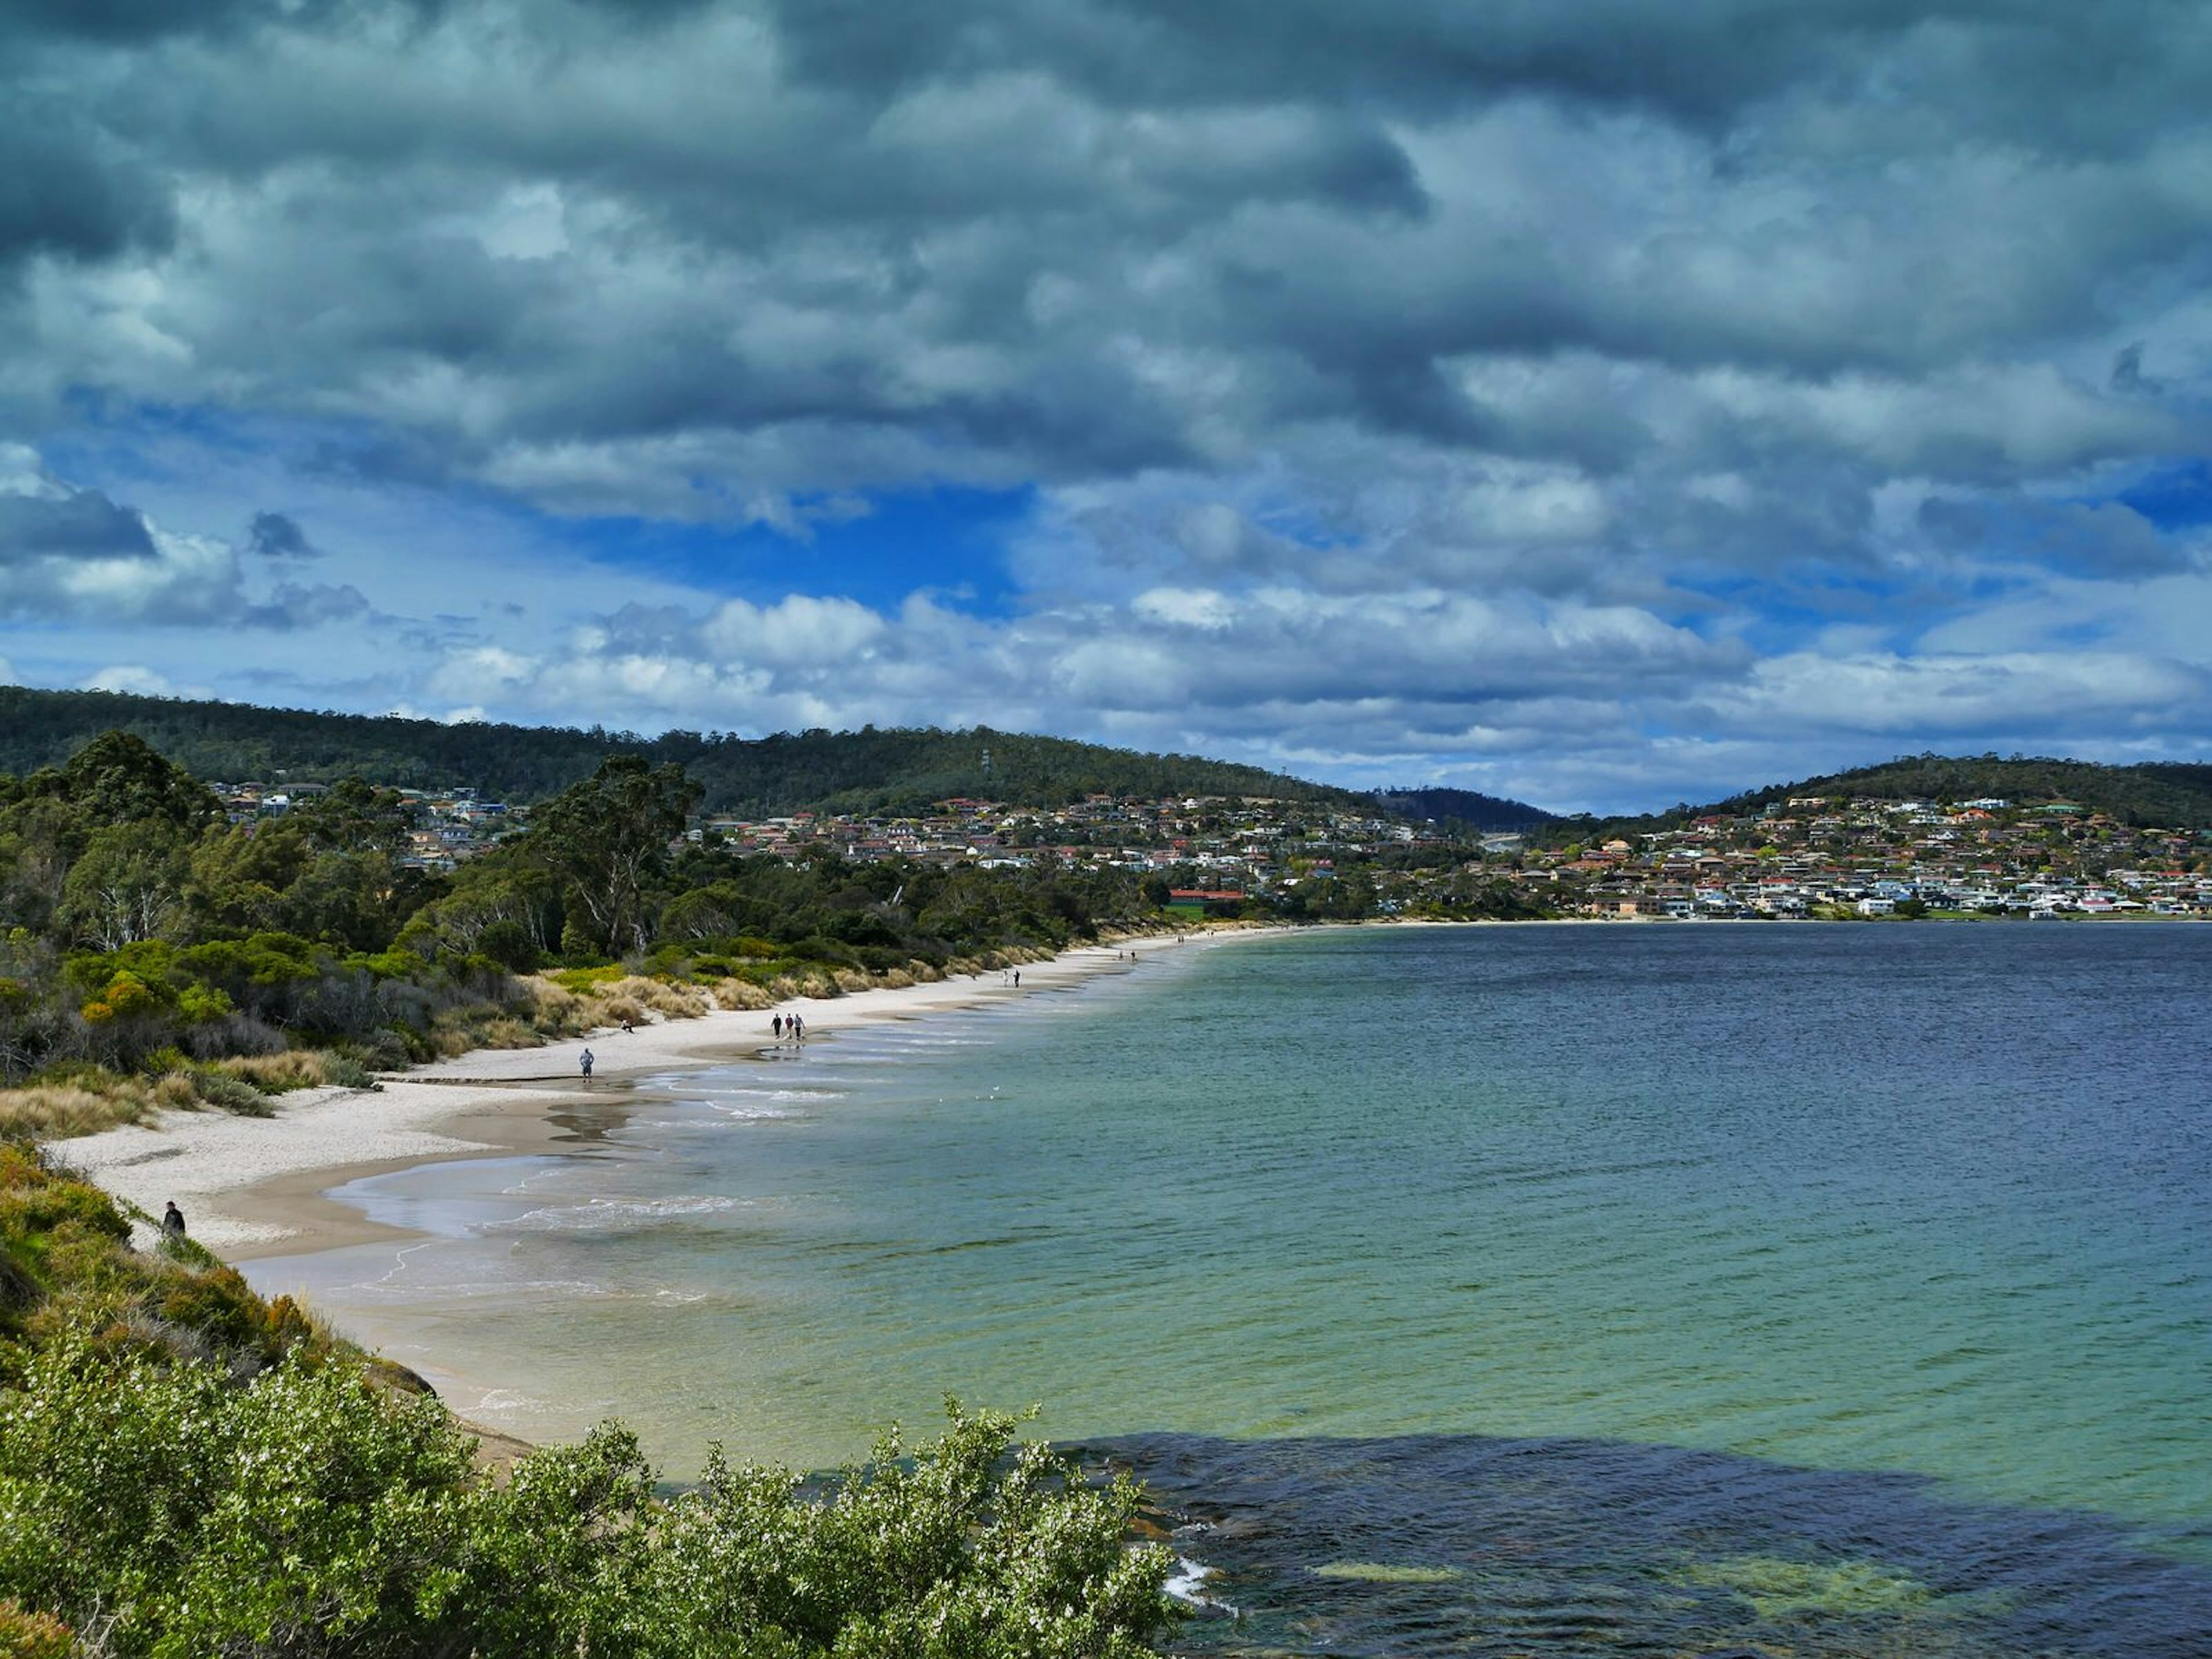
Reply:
x=871, y=770
x=2166, y=794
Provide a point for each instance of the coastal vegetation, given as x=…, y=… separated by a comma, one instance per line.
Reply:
x=155, y=953
x=186, y=1469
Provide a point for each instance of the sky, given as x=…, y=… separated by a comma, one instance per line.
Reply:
x=1600, y=403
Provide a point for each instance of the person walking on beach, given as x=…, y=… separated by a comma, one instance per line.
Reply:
x=584, y=1060
x=797, y=1027
x=172, y=1222
x=776, y=1026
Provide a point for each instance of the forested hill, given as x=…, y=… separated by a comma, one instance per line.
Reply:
x=2167, y=793
x=869, y=770
x=2164, y=794
x=1462, y=810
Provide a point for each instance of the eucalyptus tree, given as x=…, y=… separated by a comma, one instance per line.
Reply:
x=608, y=838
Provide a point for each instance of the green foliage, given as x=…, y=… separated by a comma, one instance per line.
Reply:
x=119, y=779
x=349, y=1074
x=607, y=838
x=306, y=1512
x=960, y=1549
x=582, y=979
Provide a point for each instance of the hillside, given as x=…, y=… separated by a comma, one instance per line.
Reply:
x=2167, y=794
x=2163, y=794
x=1462, y=810
x=868, y=770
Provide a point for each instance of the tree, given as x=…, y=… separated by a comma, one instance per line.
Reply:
x=128, y=885
x=607, y=836
x=351, y=816
x=117, y=779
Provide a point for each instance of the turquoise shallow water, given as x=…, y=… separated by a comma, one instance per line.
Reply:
x=1930, y=1200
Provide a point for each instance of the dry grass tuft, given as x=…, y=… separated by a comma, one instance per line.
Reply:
x=56, y=1111
x=636, y=994
x=174, y=1090
x=508, y=1034
x=742, y=995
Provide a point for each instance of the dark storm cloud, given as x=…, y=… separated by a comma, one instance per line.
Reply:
x=82, y=525
x=1701, y=59
x=1146, y=230
x=70, y=190
x=275, y=536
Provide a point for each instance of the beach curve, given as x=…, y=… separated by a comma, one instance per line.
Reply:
x=254, y=1186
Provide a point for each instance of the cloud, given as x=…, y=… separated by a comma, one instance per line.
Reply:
x=2082, y=694
x=292, y=605
x=274, y=536
x=133, y=677
x=67, y=553
x=1402, y=385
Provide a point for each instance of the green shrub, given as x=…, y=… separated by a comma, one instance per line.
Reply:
x=306, y=1512
x=349, y=1073
x=582, y=979
x=231, y=1094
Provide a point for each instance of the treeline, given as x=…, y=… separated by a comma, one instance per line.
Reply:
x=1461, y=810
x=187, y=1469
x=869, y=770
x=142, y=935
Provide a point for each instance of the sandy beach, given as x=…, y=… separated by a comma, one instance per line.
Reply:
x=252, y=1187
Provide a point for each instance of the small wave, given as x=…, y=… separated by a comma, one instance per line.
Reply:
x=610, y=1214
x=469, y=1289
x=709, y=1095
x=511, y=1400
x=1186, y=1584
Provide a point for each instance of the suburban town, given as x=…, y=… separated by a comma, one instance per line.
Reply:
x=1807, y=857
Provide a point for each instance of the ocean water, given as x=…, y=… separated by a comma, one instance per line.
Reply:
x=1696, y=1289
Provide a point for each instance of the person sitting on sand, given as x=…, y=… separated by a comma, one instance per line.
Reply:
x=173, y=1221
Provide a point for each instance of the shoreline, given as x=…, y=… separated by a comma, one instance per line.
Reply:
x=252, y=1188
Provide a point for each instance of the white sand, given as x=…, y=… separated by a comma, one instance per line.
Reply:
x=252, y=1187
